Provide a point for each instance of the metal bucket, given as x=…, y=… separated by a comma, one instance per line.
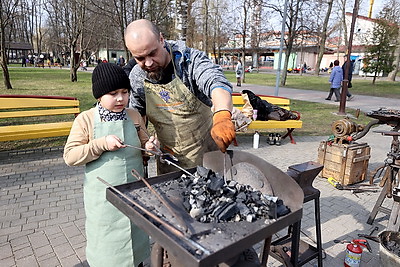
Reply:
x=387, y=257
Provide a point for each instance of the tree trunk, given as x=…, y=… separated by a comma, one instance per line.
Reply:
x=346, y=42
x=285, y=67
x=3, y=59
x=323, y=38
x=6, y=76
x=73, y=63
x=392, y=75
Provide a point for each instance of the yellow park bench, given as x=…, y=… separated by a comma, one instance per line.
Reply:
x=32, y=117
x=282, y=102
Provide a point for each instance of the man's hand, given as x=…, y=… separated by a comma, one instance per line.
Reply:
x=223, y=130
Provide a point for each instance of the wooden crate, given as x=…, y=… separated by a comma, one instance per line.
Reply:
x=348, y=164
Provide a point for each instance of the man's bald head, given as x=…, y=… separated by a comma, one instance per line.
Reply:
x=141, y=28
x=146, y=44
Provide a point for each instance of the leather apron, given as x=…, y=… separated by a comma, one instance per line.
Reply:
x=182, y=122
x=112, y=239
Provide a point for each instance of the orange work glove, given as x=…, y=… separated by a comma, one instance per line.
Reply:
x=223, y=130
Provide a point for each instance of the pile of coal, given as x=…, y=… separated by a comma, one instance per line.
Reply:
x=209, y=198
x=393, y=247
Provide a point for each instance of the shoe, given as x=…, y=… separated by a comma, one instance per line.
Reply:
x=337, y=100
x=350, y=98
x=327, y=99
x=271, y=139
x=278, y=138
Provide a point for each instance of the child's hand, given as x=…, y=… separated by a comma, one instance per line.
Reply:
x=152, y=144
x=114, y=143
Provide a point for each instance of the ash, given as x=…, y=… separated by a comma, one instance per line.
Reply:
x=208, y=198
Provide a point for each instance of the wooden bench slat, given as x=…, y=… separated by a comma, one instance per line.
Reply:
x=275, y=124
x=32, y=131
x=22, y=108
x=13, y=103
x=35, y=113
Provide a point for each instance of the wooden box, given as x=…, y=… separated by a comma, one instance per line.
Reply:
x=348, y=164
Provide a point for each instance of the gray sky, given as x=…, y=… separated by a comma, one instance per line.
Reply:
x=364, y=7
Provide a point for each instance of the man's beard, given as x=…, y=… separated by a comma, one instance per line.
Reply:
x=156, y=76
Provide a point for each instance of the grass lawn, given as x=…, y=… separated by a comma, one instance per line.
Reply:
x=317, y=118
x=361, y=85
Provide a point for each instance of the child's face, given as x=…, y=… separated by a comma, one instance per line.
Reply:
x=116, y=100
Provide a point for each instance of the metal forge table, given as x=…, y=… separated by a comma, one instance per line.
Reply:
x=209, y=244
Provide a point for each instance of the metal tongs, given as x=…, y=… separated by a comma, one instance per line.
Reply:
x=164, y=157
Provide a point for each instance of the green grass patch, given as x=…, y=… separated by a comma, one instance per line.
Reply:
x=361, y=85
x=317, y=118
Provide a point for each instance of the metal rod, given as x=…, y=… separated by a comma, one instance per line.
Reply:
x=161, y=198
x=179, y=167
x=169, y=227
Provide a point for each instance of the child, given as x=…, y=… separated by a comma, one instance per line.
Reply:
x=97, y=140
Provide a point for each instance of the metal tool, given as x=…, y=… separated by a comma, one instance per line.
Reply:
x=370, y=236
x=167, y=226
x=163, y=158
x=161, y=198
x=160, y=152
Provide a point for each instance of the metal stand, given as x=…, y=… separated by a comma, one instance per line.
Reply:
x=304, y=174
x=392, y=166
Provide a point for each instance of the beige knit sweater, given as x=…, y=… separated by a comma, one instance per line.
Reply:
x=81, y=148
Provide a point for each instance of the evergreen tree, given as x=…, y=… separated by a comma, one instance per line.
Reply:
x=380, y=53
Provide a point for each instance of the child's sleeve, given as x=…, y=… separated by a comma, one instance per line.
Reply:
x=81, y=148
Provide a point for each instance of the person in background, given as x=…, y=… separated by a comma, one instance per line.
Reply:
x=349, y=77
x=335, y=79
x=129, y=66
x=98, y=140
x=182, y=93
x=23, y=61
x=239, y=73
x=121, y=61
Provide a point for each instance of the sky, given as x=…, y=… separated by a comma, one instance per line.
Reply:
x=364, y=7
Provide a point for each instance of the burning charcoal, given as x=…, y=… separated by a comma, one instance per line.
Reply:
x=241, y=197
x=186, y=203
x=243, y=209
x=281, y=209
x=230, y=192
x=203, y=172
x=272, y=214
x=227, y=212
x=196, y=212
x=200, y=199
x=216, y=183
x=208, y=198
x=232, y=184
x=249, y=218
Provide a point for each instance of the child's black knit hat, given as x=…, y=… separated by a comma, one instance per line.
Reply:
x=108, y=77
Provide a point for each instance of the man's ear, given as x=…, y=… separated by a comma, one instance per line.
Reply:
x=161, y=38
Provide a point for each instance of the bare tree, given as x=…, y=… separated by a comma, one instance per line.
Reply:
x=181, y=21
x=323, y=37
x=8, y=10
x=294, y=7
x=72, y=28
